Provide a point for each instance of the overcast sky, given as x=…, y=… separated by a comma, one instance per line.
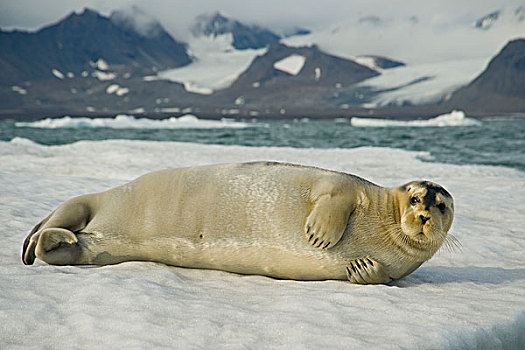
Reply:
x=177, y=14
x=438, y=20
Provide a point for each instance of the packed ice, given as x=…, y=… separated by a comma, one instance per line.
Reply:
x=472, y=297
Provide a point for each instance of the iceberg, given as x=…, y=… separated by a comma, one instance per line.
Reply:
x=454, y=118
x=123, y=121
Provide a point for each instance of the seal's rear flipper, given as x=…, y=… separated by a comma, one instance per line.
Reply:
x=367, y=271
x=28, y=250
x=57, y=246
x=54, y=240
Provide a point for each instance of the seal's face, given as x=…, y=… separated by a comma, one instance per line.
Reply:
x=426, y=212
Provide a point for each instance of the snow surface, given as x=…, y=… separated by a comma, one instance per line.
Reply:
x=291, y=64
x=369, y=62
x=423, y=83
x=123, y=121
x=104, y=76
x=470, y=298
x=57, y=74
x=439, y=32
x=317, y=73
x=19, y=90
x=117, y=90
x=454, y=118
x=437, y=42
x=216, y=66
x=101, y=64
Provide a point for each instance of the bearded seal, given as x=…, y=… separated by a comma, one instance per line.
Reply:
x=280, y=220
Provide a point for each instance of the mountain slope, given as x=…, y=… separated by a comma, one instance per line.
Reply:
x=294, y=76
x=88, y=63
x=75, y=43
x=501, y=87
x=244, y=36
x=316, y=68
x=92, y=64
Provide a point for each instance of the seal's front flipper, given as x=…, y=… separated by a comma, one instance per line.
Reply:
x=367, y=271
x=327, y=221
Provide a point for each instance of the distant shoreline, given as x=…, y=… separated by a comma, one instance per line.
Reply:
x=393, y=113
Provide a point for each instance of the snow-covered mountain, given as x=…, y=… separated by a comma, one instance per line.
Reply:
x=86, y=62
x=222, y=49
x=74, y=45
x=244, y=36
x=128, y=63
x=501, y=86
x=441, y=54
x=294, y=77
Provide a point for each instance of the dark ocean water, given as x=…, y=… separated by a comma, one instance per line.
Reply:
x=497, y=141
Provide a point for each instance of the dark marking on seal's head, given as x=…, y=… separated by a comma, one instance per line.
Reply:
x=436, y=188
x=430, y=198
x=432, y=191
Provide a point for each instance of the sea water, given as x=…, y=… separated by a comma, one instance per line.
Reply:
x=450, y=138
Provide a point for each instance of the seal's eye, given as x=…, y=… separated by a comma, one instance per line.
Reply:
x=442, y=207
x=414, y=200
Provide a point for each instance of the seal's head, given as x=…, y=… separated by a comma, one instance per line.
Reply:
x=426, y=211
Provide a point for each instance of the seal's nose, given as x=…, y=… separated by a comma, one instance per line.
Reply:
x=424, y=219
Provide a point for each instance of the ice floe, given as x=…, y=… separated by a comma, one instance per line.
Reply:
x=470, y=298
x=129, y=122
x=454, y=118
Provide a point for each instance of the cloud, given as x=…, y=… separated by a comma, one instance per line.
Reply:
x=33, y=14
x=314, y=13
x=410, y=30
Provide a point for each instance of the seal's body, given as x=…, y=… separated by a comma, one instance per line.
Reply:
x=272, y=219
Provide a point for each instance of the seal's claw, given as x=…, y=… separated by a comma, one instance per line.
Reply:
x=329, y=216
x=321, y=230
x=348, y=273
x=366, y=271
